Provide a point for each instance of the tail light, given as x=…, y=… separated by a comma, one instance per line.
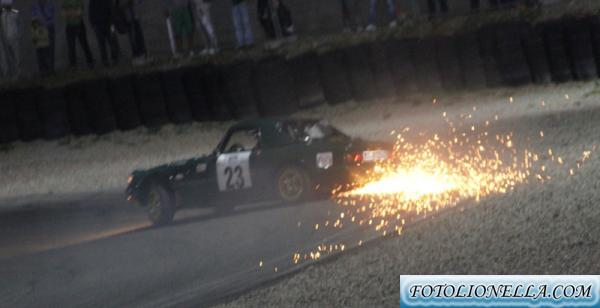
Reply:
x=355, y=158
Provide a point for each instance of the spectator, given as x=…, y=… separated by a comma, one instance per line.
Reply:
x=241, y=21
x=45, y=12
x=205, y=26
x=40, y=37
x=266, y=18
x=130, y=24
x=72, y=10
x=2, y=55
x=100, y=16
x=180, y=16
x=373, y=15
x=433, y=7
x=349, y=9
x=9, y=35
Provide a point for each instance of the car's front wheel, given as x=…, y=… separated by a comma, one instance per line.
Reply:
x=160, y=205
x=293, y=184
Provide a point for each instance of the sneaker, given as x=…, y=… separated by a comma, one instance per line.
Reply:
x=370, y=28
x=212, y=51
x=205, y=52
x=393, y=24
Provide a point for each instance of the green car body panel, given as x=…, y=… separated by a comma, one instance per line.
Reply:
x=282, y=142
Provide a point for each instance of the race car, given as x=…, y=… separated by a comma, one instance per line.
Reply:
x=286, y=159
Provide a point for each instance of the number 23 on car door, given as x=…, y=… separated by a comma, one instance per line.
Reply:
x=233, y=171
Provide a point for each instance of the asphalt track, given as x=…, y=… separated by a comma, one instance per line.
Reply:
x=98, y=250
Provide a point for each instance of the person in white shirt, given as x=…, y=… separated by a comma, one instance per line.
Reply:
x=10, y=35
x=205, y=26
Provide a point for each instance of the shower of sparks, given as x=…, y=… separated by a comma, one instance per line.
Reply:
x=428, y=172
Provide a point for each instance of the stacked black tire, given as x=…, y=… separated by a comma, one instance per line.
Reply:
x=507, y=54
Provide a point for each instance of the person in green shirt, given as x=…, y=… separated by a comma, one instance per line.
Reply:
x=72, y=11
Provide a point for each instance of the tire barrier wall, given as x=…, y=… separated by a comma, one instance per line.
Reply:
x=307, y=83
x=507, y=54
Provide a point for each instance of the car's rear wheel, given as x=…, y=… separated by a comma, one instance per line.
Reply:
x=293, y=184
x=160, y=206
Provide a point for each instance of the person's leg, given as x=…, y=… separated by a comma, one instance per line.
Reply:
x=432, y=7
x=2, y=58
x=205, y=26
x=188, y=30
x=14, y=57
x=494, y=4
x=237, y=23
x=345, y=14
x=247, y=27
x=372, y=12
x=208, y=27
x=285, y=20
x=444, y=6
x=101, y=38
x=113, y=43
x=392, y=12
x=40, y=59
x=199, y=23
x=51, y=48
x=140, y=42
x=474, y=4
x=82, y=37
x=71, y=36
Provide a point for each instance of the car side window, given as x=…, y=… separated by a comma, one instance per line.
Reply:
x=242, y=140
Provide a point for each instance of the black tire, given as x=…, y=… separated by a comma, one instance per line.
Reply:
x=193, y=83
x=125, y=103
x=580, y=48
x=219, y=105
x=54, y=113
x=151, y=100
x=427, y=75
x=471, y=61
x=176, y=100
x=9, y=128
x=334, y=78
x=399, y=54
x=78, y=113
x=595, y=31
x=100, y=106
x=239, y=88
x=511, y=59
x=556, y=49
x=28, y=116
x=380, y=67
x=160, y=205
x=293, y=184
x=275, y=88
x=307, y=82
x=446, y=53
x=535, y=53
x=359, y=72
x=487, y=46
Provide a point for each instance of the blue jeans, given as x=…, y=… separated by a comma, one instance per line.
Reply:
x=373, y=11
x=241, y=21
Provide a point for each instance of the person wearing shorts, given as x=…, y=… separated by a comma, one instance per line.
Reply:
x=180, y=14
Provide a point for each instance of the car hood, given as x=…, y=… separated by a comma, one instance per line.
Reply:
x=174, y=167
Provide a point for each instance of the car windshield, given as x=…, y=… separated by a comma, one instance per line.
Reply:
x=242, y=140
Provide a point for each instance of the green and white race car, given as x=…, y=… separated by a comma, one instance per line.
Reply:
x=286, y=159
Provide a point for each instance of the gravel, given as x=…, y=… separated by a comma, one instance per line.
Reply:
x=550, y=228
